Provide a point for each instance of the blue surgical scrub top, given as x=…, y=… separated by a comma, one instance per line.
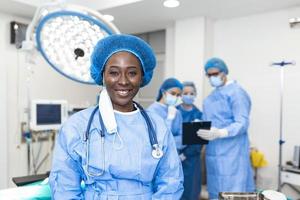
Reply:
x=130, y=171
x=192, y=164
x=174, y=125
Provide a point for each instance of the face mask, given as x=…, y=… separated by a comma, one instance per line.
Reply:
x=171, y=100
x=188, y=99
x=216, y=81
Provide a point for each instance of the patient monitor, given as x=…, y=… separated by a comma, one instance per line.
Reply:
x=47, y=114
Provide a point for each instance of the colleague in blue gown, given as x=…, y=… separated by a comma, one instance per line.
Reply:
x=168, y=96
x=227, y=154
x=115, y=161
x=191, y=163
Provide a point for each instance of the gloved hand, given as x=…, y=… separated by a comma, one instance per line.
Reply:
x=182, y=157
x=171, y=112
x=212, y=134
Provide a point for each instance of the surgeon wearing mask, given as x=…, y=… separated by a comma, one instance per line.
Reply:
x=165, y=106
x=227, y=154
x=114, y=158
x=191, y=164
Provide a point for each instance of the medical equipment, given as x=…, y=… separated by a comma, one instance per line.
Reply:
x=264, y=195
x=296, y=157
x=65, y=36
x=156, y=149
x=47, y=114
x=281, y=141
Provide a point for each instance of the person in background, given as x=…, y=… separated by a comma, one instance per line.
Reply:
x=114, y=158
x=165, y=106
x=227, y=154
x=191, y=163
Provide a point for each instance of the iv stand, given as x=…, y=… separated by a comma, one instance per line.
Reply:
x=281, y=141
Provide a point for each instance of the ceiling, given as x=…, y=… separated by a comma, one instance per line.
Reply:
x=137, y=16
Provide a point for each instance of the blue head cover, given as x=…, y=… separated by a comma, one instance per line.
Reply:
x=107, y=46
x=189, y=84
x=168, y=84
x=216, y=63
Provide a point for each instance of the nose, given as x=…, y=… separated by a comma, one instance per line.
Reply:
x=123, y=79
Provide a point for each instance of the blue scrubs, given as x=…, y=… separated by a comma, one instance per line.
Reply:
x=174, y=125
x=192, y=164
x=130, y=173
x=227, y=159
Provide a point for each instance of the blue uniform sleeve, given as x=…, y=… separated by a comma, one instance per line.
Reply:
x=177, y=130
x=241, y=105
x=168, y=182
x=65, y=177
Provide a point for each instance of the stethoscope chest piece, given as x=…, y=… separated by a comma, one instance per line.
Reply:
x=157, y=152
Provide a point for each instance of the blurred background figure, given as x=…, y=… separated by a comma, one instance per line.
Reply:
x=227, y=154
x=168, y=97
x=191, y=153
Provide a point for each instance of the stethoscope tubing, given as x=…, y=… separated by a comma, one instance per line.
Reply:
x=156, y=150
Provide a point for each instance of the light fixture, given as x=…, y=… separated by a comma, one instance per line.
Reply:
x=66, y=37
x=294, y=21
x=171, y=3
x=109, y=18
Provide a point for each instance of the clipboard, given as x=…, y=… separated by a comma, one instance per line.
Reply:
x=189, y=132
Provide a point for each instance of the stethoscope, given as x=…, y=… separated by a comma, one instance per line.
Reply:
x=156, y=153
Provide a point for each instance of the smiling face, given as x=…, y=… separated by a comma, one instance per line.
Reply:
x=122, y=77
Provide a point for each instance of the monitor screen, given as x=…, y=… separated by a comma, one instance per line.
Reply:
x=47, y=114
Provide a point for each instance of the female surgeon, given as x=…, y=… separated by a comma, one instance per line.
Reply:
x=109, y=147
x=191, y=164
x=168, y=96
x=227, y=154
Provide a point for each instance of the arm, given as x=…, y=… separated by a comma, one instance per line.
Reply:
x=177, y=130
x=241, y=105
x=65, y=176
x=168, y=181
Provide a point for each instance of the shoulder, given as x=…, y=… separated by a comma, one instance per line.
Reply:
x=75, y=126
x=159, y=123
x=236, y=90
x=154, y=106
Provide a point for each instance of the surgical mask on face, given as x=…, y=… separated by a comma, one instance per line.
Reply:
x=171, y=100
x=188, y=99
x=216, y=81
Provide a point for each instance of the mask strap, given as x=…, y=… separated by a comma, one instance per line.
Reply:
x=121, y=141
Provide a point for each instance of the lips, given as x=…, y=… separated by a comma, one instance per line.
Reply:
x=123, y=92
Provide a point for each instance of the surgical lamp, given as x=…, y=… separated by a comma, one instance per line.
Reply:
x=65, y=35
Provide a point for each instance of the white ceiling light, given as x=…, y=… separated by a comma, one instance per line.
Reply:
x=109, y=18
x=171, y=3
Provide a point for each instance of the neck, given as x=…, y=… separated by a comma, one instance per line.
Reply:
x=162, y=101
x=187, y=107
x=224, y=80
x=124, y=108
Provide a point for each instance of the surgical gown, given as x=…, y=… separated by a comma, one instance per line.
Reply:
x=227, y=159
x=130, y=171
x=174, y=125
x=191, y=165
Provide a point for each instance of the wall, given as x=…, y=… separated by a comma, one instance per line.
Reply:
x=249, y=45
x=185, y=52
x=3, y=110
x=156, y=39
x=23, y=81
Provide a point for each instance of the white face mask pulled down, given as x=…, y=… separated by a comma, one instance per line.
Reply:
x=108, y=116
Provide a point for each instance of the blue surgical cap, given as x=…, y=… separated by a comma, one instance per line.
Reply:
x=216, y=63
x=112, y=44
x=190, y=84
x=168, y=84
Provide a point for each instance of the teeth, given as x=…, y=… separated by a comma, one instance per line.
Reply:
x=123, y=92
